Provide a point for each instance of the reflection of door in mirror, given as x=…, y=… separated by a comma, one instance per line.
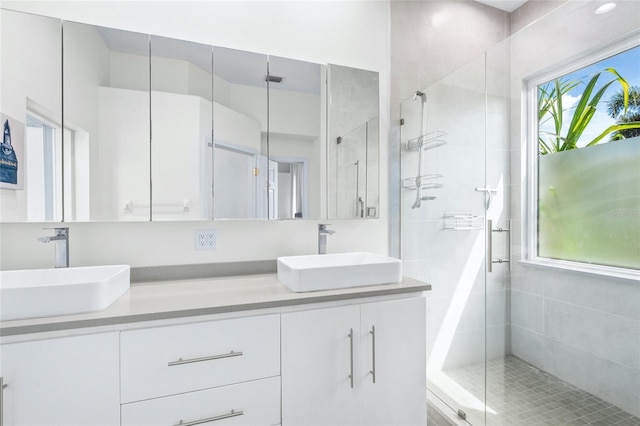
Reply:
x=293, y=187
x=353, y=148
x=240, y=123
x=106, y=120
x=240, y=187
x=297, y=96
x=30, y=102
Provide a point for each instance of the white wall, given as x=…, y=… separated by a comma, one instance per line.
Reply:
x=349, y=33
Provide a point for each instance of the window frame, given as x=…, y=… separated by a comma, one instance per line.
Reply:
x=530, y=158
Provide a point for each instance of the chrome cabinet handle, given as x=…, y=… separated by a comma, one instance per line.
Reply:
x=2, y=388
x=233, y=413
x=373, y=346
x=351, y=356
x=202, y=359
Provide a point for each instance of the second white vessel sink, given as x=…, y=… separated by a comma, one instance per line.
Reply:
x=33, y=293
x=333, y=271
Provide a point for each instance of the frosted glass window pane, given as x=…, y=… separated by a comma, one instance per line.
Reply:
x=589, y=204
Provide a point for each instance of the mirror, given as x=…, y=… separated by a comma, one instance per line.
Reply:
x=182, y=129
x=106, y=124
x=295, y=139
x=241, y=167
x=236, y=135
x=353, y=143
x=31, y=117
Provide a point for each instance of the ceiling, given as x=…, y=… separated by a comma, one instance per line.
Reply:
x=506, y=5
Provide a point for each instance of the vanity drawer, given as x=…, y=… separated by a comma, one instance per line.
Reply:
x=183, y=358
x=251, y=403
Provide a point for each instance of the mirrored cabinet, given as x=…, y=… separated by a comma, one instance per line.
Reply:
x=353, y=143
x=31, y=118
x=295, y=139
x=181, y=130
x=240, y=122
x=104, y=124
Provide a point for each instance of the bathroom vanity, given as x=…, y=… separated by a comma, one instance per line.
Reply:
x=236, y=350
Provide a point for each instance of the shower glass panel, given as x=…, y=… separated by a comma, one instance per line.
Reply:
x=445, y=197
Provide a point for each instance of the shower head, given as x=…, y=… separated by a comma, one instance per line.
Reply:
x=422, y=95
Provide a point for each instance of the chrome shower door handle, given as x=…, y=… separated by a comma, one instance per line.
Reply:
x=489, y=245
x=373, y=353
x=351, y=356
x=509, y=245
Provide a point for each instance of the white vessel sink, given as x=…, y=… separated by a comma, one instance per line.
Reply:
x=333, y=271
x=33, y=293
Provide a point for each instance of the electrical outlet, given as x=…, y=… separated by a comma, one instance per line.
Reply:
x=206, y=239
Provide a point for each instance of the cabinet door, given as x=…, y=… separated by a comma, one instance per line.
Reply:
x=71, y=381
x=393, y=339
x=318, y=356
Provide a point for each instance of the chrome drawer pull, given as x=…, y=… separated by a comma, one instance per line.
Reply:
x=233, y=413
x=205, y=358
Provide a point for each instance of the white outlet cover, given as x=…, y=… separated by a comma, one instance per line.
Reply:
x=206, y=239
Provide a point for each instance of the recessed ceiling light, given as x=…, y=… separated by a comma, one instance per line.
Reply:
x=607, y=7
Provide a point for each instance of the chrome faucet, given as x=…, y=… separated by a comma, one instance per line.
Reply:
x=61, y=238
x=322, y=237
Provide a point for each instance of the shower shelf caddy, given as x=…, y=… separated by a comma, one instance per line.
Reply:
x=424, y=182
x=462, y=222
x=427, y=141
x=423, y=143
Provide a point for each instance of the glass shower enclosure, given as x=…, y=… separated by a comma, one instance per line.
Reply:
x=498, y=325
x=455, y=181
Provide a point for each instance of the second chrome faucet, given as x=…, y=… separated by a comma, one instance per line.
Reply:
x=61, y=240
x=323, y=231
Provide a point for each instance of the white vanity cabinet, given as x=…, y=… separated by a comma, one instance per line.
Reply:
x=331, y=356
x=225, y=371
x=70, y=381
x=259, y=356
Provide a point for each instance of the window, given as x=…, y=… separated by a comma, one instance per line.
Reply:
x=585, y=165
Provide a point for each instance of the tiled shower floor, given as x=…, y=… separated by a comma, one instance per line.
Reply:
x=521, y=394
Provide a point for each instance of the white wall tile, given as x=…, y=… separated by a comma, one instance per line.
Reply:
x=527, y=311
x=604, y=335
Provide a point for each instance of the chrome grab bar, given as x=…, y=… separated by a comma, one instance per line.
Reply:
x=373, y=352
x=490, y=231
x=202, y=359
x=351, y=355
x=233, y=413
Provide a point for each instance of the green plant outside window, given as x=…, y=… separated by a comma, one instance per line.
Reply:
x=589, y=164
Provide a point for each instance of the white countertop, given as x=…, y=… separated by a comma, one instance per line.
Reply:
x=187, y=298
